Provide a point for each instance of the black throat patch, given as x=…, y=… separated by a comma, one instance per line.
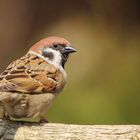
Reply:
x=64, y=59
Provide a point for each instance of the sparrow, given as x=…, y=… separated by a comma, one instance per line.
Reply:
x=29, y=85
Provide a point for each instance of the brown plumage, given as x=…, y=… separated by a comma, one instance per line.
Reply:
x=29, y=84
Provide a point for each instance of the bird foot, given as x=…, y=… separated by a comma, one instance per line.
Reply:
x=43, y=120
x=5, y=117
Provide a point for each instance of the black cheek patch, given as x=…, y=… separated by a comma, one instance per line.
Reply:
x=47, y=54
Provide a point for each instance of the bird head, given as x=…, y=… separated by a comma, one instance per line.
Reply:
x=53, y=49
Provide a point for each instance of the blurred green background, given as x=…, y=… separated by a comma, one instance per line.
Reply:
x=104, y=75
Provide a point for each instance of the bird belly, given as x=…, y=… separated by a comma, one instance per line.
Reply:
x=19, y=105
x=13, y=105
x=38, y=104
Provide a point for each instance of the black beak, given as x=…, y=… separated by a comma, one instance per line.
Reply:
x=68, y=49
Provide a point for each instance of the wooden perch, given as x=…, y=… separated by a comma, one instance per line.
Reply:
x=10, y=130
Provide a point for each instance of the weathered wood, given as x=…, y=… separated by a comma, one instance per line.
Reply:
x=10, y=130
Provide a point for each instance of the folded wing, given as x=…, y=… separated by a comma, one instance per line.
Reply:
x=30, y=74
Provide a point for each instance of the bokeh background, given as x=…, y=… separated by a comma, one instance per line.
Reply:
x=104, y=75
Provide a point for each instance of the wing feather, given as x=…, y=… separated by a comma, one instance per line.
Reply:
x=31, y=74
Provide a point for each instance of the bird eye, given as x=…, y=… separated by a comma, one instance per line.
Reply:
x=55, y=46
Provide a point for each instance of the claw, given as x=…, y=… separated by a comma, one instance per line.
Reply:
x=43, y=120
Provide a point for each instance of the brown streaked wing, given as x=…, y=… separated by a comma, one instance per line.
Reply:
x=30, y=74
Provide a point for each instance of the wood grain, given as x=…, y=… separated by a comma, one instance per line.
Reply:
x=10, y=130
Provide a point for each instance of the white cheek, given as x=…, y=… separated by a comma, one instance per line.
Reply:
x=56, y=56
x=56, y=61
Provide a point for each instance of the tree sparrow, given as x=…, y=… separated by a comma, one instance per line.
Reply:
x=30, y=84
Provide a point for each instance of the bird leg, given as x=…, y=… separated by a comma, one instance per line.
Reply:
x=5, y=116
